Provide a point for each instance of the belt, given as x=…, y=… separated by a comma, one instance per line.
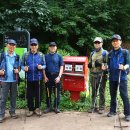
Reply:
x=52, y=73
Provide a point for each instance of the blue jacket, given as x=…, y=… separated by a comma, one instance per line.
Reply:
x=115, y=58
x=32, y=60
x=9, y=64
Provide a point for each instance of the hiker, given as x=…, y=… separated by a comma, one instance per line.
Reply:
x=33, y=63
x=52, y=76
x=97, y=65
x=118, y=60
x=10, y=67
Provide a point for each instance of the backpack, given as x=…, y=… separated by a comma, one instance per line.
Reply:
x=124, y=51
x=104, y=53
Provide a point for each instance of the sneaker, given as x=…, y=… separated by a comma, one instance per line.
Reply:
x=92, y=110
x=38, y=112
x=127, y=118
x=101, y=111
x=29, y=113
x=13, y=115
x=56, y=110
x=1, y=119
x=47, y=110
x=110, y=114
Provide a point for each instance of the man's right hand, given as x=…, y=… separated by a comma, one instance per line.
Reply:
x=104, y=66
x=26, y=68
x=2, y=72
x=46, y=79
x=90, y=65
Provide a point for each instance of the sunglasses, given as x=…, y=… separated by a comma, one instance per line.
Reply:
x=11, y=44
x=97, y=42
x=33, y=44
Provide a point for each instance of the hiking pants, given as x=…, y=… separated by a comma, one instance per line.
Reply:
x=34, y=93
x=95, y=88
x=52, y=86
x=123, y=88
x=6, y=88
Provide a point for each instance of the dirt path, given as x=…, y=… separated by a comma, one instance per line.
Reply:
x=62, y=121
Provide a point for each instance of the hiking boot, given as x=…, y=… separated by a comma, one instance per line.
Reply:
x=1, y=119
x=56, y=110
x=13, y=115
x=29, y=113
x=38, y=112
x=101, y=111
x=47, y=110
x=92, y=110
x=110, y=114
x=127, y=118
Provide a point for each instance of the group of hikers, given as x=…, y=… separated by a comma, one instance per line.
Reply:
x=49, y=67
x=116, y=65
x=36, y=66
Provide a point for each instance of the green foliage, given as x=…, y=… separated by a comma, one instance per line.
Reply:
x=29, y=14
x=75, y=23
x=65, y=103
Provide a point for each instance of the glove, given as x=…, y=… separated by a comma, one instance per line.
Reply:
x=98, y=64
x=90, y=65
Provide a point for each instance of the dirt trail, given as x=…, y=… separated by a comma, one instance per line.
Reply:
x=63, y=121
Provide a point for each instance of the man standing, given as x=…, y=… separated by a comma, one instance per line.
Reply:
x=52, y=76
x=10, y=67
x=33, y=63
x=118, y=63
x=97, y=65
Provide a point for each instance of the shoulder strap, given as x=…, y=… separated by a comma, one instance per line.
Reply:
x=104, y=53
x=25, y=57
x=91, y=54
x=1, y=56
x=124, y=54
x=41, y=54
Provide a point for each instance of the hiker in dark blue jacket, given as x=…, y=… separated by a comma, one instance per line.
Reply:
x=52, y=76
x=118, y=63
x=33, y=63
x=10, y=66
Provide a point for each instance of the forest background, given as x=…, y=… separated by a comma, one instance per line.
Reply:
x=72, y=24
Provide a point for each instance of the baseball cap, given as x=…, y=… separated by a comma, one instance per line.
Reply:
x=116, y=36
x=12, y=41
x=52, y=44
x=98, y=39
x=34, y=41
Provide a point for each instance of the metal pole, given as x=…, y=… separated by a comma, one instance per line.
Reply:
x=56, y=98
x=96, y=91
x=39, y=94
x=120, y=124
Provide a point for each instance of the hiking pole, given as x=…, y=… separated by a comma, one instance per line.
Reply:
x=1, y=79
x=56, y=98
x=48, y=95
x=120, y=124
x=0, y=90
x=16, y=74
x=25, y=96
x=39, y=93
x=95, y=97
